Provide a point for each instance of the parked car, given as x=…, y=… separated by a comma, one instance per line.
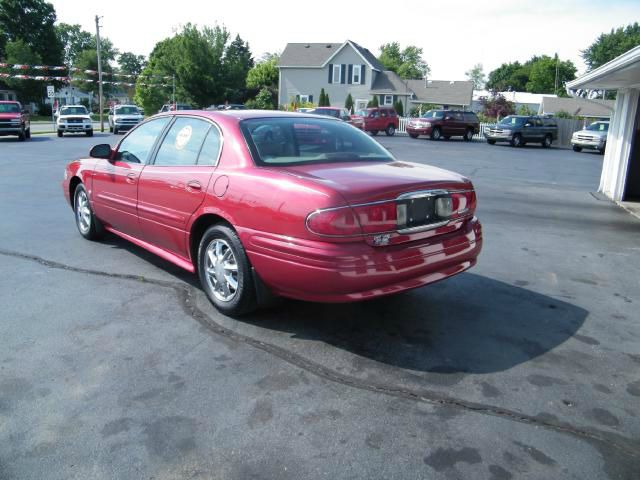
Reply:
x=171, y=107
x=521, y=129
x=335, y=112
x=294, y=205
x=439, y=124
x=594, y=137
x=14, y=120
x=377, y=119
x=74, y=119
x=123, y=118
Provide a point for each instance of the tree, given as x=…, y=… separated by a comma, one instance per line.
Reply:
x=477, y=76
x=322, y=99
x=508, y=77
x=31, y=21
x=198, y=58
x=610, y=45
x=348, y=103
x=497, y=106
x=373, y=103
x=407, y=63
x=264, y=75
x=74, y=41
x=88, y=60
x=542, y=76
x=327, y=102
x=131, y=64
x=236, y=64
x=19, y=52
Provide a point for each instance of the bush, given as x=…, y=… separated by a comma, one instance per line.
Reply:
x=44, y=109
x=399, y=108
x=323, y=100
x=524, y=110
x=424, y=107
x=373, y=102
x=497, y=107
x=348, y=103
x=562, y=114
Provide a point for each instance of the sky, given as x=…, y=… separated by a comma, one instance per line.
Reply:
x=455, y=35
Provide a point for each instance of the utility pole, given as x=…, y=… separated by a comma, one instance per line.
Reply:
x=99, y=72
x=556, y=82
x=173, y=96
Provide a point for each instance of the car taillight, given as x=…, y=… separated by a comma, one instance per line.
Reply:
x=377, y=217
x=334, y=222
x=462, y=203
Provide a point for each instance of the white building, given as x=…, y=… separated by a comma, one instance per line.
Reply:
x=531, y=101
x=620, y=178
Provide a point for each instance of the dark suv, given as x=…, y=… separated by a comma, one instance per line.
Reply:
x=519, y=130
x=377, y=119
x=445, y=123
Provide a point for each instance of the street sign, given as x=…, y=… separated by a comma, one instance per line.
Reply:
x=51, y=91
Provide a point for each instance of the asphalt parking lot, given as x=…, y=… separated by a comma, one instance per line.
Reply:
x=114, y=365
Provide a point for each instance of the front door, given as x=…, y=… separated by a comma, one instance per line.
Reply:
x=115, y=182
x=174, y=186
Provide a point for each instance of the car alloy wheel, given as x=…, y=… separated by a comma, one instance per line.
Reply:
x=468, y=136
x=546, y=143
x=516, y=141
x=88, y=225
x=225, y=272
x=221, y=270
x=435, y=134
x=390, y=131
x=577, y=149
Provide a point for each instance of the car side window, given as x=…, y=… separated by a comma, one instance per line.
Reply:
x=136, y=147
x=182, y=143
x=383, y=113
x=210, y=151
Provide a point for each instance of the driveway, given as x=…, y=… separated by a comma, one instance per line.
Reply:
x=114, y=365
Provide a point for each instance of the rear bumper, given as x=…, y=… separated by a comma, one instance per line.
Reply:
x=345, y=272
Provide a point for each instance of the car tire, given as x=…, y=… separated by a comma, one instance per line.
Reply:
x=577, y=148
x=516, y=141
x=374, y=132
x=390, y=131
x=436, y=133
x=468, y=135
x=59, y=133
x=88, y=224
x=221, y=246
x=22, y=135
x=27, y=133
x=89, y=133
x=115, y=131
x=602, y=150
x=491, y=142
x=546, y=143
x=447, y=137
x=110, y=129
x=413, y=135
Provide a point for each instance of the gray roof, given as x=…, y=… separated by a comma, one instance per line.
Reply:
x=442, y=92
x=390, y=82
x=577, y=106
x=316, y=54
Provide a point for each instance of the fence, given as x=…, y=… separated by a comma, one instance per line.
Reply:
x=566, y=127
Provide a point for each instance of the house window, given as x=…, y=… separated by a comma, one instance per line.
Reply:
x=337, y=70
x=304, y=98
x=388, y=100
x=355, y=77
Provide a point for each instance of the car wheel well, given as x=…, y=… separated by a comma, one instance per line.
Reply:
x=73, y=184
x=197, y=230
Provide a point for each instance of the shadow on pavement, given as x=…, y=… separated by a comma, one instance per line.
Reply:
x=34, y=138
x=467, y=324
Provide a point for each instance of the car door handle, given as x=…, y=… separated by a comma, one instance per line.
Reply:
x=131, y=178
x=194, y=185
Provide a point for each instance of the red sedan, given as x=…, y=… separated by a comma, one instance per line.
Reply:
x=293, y=204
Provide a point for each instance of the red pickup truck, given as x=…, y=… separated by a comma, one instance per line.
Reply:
x=14, y=120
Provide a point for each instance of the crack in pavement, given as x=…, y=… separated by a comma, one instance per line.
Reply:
x=186, y=294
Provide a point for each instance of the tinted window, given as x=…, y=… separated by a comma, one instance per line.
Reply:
x=291, y=141
x=136, y=146
x=9, y=108
x=74, y=111
x=182, y=143
x=599, y=127
x=512, y=121
x=127, y=111
x=433, y=114
x=210, y=148
x=470, y=117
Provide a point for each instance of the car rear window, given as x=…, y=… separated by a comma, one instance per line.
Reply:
x=299, y=141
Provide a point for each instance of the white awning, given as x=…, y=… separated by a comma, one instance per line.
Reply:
x=621, y=72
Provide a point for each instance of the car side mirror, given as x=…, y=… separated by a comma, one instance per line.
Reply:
x=101, y=151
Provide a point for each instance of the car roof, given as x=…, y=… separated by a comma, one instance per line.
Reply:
x=240, y=114
x=9, y=101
